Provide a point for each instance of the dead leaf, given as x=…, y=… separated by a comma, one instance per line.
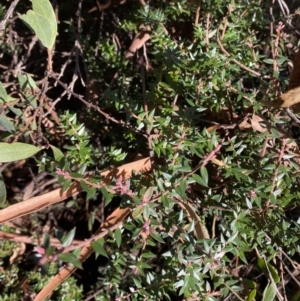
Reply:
x=17, y=253
x=258, y=123
x=244, y=124
x=200, y=229
x=219, y=162
x=213, y=128
x=255, y=121
x=223, y=116
x=285, y=100
x=53, y=113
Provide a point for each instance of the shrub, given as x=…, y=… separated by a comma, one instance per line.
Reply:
x=211, y=211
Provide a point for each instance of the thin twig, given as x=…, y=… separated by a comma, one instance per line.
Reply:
x=18, y=238
x=96, y=108
x=273, y=282
x=146, y=106
x=234, y=60
x=207, y=30
x=292, y=116
x=282, y=277
x=197, y=13
x=279, y=162
x=81, y=244
x=226, y=21
x=233, y=292
x=25, y=57
x=284, y=8
x=8, y=14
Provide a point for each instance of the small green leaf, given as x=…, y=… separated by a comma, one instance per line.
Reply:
x=148, y=194
x=269, y=293
x=98, y=247
x=137, y=282
x=2, y=191
x=251, y=296
x=42, y=21
x=199, y=180
x=7, y=124
x=91, y=193
x=76, y=175
x=76, y=252
x=274, y=273
x=3, y=94
x=66, y=184
x=145, y=293
x=269, y=61
x=118, y=237
x=26, y=82
x=31, y=100
x=106, y=195
x=204, y=175
x=262, y=265
x=146, y=212
x=50, y=250
x=296, y=297
x=70, y=258
x=58, y=154
x=67, y=238
x=137, y=211
x=84, y=186
x=17, y=112
x=148, y=255
x=157, y=237
x=186, y=168
x=10, y=152
x=250, y=284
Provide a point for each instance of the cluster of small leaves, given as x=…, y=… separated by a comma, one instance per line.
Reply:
x=78, y=149
x=219, y=198
x=200, y=269
x=12, y=273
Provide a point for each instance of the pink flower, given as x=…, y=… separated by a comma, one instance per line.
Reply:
x=65, y=174
x=145, y=232
x=122, y=188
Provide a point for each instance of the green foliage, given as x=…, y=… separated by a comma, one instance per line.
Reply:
x=16, y=151
x=12, y=273
x=221, y=196
x=41, y=19
x=78, y=149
